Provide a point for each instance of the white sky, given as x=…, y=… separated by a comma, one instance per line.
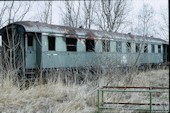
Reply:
x=136, y=6
x=156, y=4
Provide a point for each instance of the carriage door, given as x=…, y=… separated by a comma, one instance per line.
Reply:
x=30, y=51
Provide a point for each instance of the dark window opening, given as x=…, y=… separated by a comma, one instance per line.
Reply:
x=159, y=48
x=128, y=47
x=152, y=48
x=146, y=48
x=137, y=47
x=71, y=44
x=90, y=45
x=118, y=46
x=30, y=40
x=1, y=40
x=51, y=43
x=106, y=45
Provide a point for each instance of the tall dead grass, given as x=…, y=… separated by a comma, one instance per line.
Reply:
x=57, y=96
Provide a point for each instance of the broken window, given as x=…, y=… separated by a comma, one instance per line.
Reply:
x=90, y=45
x=71, y=44
x=159, y=48
x=145, y=48
x=137, y=47
x=51, y=43
x=118, y=46
x=106, y=45
x=152, y=48
x=128, y=47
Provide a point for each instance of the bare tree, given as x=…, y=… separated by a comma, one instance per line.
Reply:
x=145, y=25
x=164, y=25
x=16, y=11
x=13, y=11
x=45, y=15
x=111, y=14
x=75, y=15
x=12, y=50
x=71, y=14
x=88, y=13
x=145, y=18
x=3, y=9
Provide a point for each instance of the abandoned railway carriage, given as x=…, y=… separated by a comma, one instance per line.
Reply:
x=30, y=45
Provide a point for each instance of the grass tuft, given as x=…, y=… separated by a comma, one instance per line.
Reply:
x=57, y=96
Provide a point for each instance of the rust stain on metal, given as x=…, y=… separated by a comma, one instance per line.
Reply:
x=90, y=35
x=154, y=104
x=134, y=87
x=71, y=33
x=72, y=36
x=31, y=26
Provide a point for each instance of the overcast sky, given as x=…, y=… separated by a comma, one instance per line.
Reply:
x=156, y=4
x=136, y=5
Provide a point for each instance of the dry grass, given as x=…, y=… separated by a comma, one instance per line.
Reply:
x=56, y=97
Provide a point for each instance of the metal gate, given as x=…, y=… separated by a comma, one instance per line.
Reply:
x=149, y=106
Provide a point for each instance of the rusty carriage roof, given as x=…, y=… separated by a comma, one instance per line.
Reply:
x=31, y=26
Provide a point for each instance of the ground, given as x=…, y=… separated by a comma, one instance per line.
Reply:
x=59, y=97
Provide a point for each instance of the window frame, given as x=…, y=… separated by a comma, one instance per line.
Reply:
x=90, y=48
x=137, y=47
x=119, y=46
x=106, y=45
x=70, y=46
x=152, y=48
x=145, y=48
x=30, y=41
x=1, y=40
x=128, y=47
x=51, y=39
x=159, y=49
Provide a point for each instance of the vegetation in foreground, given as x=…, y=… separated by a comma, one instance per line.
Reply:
x=58, y=97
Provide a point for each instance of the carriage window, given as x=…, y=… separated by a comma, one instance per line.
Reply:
x=128, y=47
x=137, y=47
x=51, y=43
x=146, y=48
x=153, y=48
x=106, y=45
x=90, y=45
x=159, y=48
x=0, y=40
x=71, y=44
x=30, y=40
x=118, y=46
